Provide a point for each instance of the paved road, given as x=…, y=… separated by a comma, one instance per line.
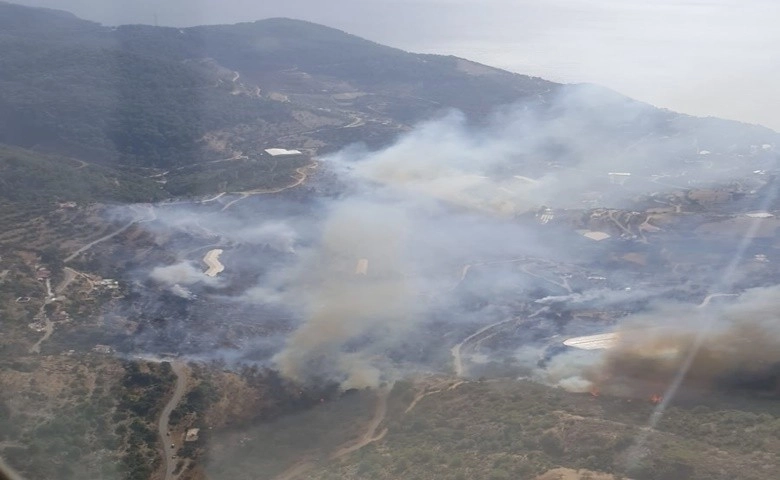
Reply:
x=163, y=428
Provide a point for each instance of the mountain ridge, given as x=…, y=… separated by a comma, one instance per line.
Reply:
x=139, y=96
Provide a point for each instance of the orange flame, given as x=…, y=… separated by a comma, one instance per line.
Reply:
x=595, y=391
x=655, y=399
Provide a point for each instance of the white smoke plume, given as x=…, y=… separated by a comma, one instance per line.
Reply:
x=277, y=235
x=365, y=270
x=182, y=273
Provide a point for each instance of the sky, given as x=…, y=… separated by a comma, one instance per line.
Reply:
x=702, y=57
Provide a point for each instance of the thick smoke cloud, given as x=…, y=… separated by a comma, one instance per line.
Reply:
x=556, y=156
x=365, y=274
x=353, y=284
x=470, y=182
x=740, y=345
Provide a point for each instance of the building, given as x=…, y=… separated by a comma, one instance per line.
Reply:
x=282, y=152
x=618, y=177
x=192, y=435
x=601, y=341
x=104, y=349
x=597, y=236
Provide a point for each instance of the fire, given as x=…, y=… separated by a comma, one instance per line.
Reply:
x=655, y=399
x=595, y=391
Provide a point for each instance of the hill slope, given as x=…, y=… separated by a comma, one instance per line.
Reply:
x=204, y=103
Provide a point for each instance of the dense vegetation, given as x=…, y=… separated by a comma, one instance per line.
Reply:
x=33, y=178
x=62, y=425
x=508, y=430
x=138, y=95
x=113, y=106
x=142, y=394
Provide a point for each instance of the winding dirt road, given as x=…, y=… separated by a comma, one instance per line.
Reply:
x=162, y=427
x=457, y=360
x=369, y=436
x=91, y=244
x=303, y=175
x=709, y=297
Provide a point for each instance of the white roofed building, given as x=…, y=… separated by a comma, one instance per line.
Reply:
x=282, y=152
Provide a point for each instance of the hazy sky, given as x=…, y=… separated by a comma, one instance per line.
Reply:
x=704, y=57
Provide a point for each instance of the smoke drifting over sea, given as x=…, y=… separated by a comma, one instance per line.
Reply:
x=375, y=275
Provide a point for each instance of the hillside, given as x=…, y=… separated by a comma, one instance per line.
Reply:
x=190, y=282
x=31, y=177
x=501, y=430
x=174, y=100
x=155, y=97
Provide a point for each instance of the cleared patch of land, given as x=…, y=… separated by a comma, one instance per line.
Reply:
x=211, y=259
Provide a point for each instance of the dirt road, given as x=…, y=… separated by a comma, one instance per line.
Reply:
x=303, y=174
x=301, y=468
x=457, y=360
x=49, y=329
x=709, y=297
x=370, y=434
x=214, y=198
x=422, y=394
x=91, y=244
x=68, y=276
x=163, y=428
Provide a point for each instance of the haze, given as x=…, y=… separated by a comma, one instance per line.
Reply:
x=710, y=58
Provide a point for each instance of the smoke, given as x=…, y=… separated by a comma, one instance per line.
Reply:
x=527, y=157
x=740, y=349
x=599, y=296
x=426, y=237
x=277, y=235
x=352, y=285
x=576, y=384
x=182, y=273
x=181, y=292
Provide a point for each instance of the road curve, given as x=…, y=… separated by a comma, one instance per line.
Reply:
x=709, y=297
x=91, y=244
x=457, y=360
x=370, y=435
x=162, y=426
